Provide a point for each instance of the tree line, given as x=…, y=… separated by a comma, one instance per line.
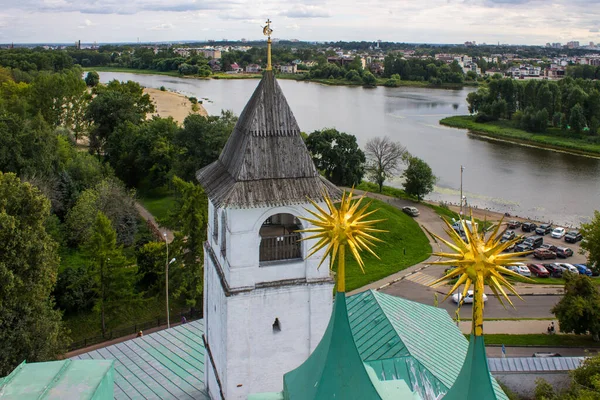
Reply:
x=570, y=105
x=72, y=157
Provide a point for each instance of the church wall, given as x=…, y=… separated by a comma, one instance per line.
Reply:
x=215, y=317
x=259, y=355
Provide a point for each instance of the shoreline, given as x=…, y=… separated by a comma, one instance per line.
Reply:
x=172, y=104
x=322, y=81
x=465, y=123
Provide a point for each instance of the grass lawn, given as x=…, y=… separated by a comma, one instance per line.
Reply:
x=158, y=202
x=387, y=190
x=85, y=326
x=404, y=235
x=554, y=138
x=541, y=340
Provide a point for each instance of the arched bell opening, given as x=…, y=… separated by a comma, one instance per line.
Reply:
x=279, y=240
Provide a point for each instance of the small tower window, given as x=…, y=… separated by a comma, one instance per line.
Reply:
x=223, y=233
x=216, y=224
x=276, y=326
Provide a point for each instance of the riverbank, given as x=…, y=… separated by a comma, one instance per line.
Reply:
x=504, y=130
x=171, y=104
x=295, y=77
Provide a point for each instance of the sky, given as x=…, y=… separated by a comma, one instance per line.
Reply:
x=421, y=21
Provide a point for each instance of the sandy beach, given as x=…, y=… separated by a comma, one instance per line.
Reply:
x=170, y=104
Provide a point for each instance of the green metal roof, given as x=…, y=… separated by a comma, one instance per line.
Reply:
x=66, y=379
x=403, y=339
x=474, y=381
x=334, y=370
x=168, y=364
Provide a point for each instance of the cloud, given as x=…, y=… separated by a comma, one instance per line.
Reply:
x=128, y=7
x=594, y=30
x=86, y=23
x=162, y=27
x=304, y=11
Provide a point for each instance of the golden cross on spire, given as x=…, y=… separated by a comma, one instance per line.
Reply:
x=267, y=32
x=338, y=227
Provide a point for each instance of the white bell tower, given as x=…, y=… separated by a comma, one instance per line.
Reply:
x=266, y=306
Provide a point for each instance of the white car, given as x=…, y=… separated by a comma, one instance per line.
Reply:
x=570, y=267
x=558, y=233
x=520, y=269
x=468, y=299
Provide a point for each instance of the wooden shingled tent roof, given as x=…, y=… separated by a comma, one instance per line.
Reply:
x=265, y=161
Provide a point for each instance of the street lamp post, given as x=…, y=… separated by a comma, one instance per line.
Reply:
x=167, y=280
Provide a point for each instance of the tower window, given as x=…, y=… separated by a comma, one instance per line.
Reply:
x=216, y=224
x=279, y=240
x=276, y=326
x=223, y=233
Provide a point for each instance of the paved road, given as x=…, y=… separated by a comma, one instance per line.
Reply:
x=531, y=307
x=496, y=351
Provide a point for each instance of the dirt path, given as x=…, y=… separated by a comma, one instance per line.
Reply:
x=149, y=218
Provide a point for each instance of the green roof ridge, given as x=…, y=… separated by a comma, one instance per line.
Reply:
x=474, y=381
x=335, y=369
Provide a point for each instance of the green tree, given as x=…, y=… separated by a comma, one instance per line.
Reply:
x=30, y=328
x=107, y=265
x=337, y=154
x=92, y=79
x=383, y=159
x=114, y=104
x=190, y=214
x=577, y=119
x=200, y=141
x=27, y=146
x=113, y=200
x=151, y=258
x=578, y=311
x=369, y=79
x=591, y=242
x=418, y=178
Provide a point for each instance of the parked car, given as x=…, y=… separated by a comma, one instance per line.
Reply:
x=548, y=246
x=583, y=270
x=563, y=252
x=412, y=211
x=570, y=268
x=538, y=270
x=555, y=270
x=513, y=224
x=468, y=298
x=544, y=229
x=544, y=254
x=523, y=270
x=508, y=235
x=530, y=243
x=528, y=227
x=558, y=233
x=573, y=237
x=545, y=354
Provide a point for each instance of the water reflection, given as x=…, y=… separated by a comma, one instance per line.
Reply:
x=501, y=176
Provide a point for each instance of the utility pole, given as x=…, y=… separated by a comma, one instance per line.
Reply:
x=167, y=280
x=461, y=195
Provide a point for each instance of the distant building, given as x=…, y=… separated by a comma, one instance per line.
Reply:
x=253, y=68
x=573, y=44
x=210, y=53
x=235, y=68
x=288, y=69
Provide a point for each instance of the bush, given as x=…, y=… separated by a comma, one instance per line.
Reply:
x=163, y=89
x=193, y=100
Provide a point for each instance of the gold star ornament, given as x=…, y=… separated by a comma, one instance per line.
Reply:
x=479, y=261
x=339, y=227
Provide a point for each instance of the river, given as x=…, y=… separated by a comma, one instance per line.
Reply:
x=529, y=182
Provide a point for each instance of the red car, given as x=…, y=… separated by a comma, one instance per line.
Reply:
x=544, y=254
x=539, y=270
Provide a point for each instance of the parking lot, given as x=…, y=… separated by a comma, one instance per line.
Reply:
x=576, y=258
